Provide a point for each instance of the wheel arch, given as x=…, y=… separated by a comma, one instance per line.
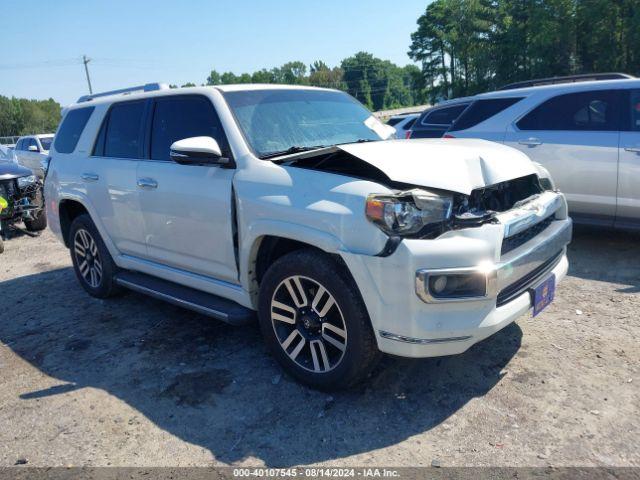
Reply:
x=68, y=211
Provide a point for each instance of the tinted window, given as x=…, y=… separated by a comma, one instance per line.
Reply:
x=482, y=110
x=180, y=117
x=635, y=110
x=124, y=130
x=445, y=115
x=409, y=124
x=71, y=129
x=394, y=121
x=46, y=143
x=594, y=111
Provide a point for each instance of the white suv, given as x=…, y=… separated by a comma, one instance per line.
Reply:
x=586, y=133
x=32, y=151
x=285, y=201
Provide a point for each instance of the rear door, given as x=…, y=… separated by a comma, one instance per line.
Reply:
x=110, y=176
x=628, y=210
x=575, y=136
x=187, y=209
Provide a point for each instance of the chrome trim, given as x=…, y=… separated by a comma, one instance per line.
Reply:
x=530, y=213
x=421, y=341
x=422, y=282
x=513, y=266
x=171, y=299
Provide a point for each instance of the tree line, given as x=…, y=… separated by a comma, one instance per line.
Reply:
x=19, y=116
x=470, y=46
x=379, y=84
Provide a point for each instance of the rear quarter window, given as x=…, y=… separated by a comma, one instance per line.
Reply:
x=482, y=110
x=71, y=129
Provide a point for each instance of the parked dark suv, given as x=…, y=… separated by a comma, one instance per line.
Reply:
x=435, y=121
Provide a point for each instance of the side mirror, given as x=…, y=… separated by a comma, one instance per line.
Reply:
x=32, y=148
x=198, y=151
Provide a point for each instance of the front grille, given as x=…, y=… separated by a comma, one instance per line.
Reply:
x=521, y=285
x=519, y=239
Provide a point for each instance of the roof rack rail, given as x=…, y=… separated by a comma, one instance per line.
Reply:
x=585, y=77
x=149, y=87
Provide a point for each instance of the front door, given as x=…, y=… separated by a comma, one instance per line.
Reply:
x=628, y=211
x=109, y=176
x=187, y=209
x=575, y=136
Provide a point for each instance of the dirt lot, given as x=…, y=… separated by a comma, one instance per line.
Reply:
x=133, y=381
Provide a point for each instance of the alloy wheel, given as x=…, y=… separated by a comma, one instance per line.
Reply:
x=308, y=324
x=88, y=258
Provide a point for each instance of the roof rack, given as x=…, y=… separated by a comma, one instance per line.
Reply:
x=149, y=87
x=585, y=77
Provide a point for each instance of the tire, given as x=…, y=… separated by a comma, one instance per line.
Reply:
x=92, y=262
x=38, y=224
x=1, y=245
x=314, y=321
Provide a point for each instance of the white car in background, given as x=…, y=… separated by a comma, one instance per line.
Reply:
x=586, y=133
x=402, y=123
x=32, y=150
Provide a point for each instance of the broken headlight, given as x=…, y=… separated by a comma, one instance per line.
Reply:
x=26, y=181
x=408, y=213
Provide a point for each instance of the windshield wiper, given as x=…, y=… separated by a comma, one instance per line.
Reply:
x=360, y=140
x=290, y=150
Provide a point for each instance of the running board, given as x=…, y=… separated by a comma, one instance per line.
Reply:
x=190, y=298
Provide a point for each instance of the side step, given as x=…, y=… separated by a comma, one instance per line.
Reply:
x=196, y=300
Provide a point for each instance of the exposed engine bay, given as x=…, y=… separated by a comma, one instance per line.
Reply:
x=21, y=200
x=476, y=209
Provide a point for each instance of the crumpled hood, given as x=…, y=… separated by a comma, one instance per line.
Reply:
x=457, y=165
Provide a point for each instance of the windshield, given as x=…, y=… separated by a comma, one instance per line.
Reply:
x=280, y=120
x=46, y=142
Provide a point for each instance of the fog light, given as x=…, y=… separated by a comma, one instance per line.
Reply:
x=438, y=284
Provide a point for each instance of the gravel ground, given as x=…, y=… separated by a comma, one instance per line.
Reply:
x=133, y=381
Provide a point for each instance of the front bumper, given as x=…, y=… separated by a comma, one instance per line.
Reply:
x=407, y=325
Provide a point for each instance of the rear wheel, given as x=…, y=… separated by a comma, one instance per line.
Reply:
x=314, y=321
x=92, y=262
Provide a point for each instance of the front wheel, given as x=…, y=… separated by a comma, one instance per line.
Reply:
x=38, y=224
x=315, y=322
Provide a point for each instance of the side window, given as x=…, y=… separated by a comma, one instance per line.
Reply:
x=179, y=117
x=123, y=130
x=444, y=116
x=19, y=144
x=409, y=124
x=71, y=129
x=482, y=110
x=33, y=143
x=586, y=111
x=635, y=110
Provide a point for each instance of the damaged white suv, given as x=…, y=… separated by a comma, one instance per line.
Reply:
x=288, y=202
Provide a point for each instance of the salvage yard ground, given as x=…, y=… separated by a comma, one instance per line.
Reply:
x=133, y=381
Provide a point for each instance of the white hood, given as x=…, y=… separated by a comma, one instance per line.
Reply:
x=457, y=165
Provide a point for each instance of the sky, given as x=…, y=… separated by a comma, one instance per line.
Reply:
x=138, y=41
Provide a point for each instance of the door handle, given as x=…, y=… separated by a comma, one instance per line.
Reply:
x=90, y=177
x=632, y=149
x=147, y=183
x=530, y=142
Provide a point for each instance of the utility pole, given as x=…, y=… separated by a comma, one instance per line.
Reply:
x=86, y=60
